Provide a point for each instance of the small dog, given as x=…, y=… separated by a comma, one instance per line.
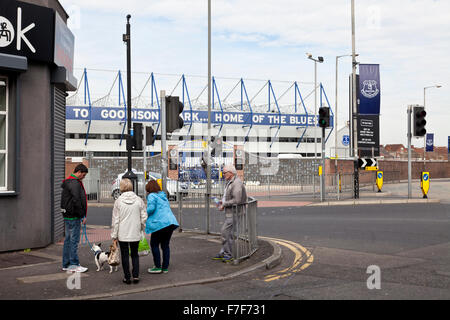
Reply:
x=101, y=257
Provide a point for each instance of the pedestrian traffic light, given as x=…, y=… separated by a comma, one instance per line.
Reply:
x=419, y=121
x=149, y=136
x=324, y=117
x=174, y=108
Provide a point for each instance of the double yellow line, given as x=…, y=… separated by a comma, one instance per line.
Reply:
x=302, y=260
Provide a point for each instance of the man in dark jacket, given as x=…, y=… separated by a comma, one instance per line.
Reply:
x=74, y=211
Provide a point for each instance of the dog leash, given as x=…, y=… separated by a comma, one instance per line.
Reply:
x=84, y=238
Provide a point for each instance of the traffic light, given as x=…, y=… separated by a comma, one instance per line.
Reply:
x=149, y=136
x=134, y=141
x=324, y=117
x=419, y=121
x=138, y=136
x=174, y=108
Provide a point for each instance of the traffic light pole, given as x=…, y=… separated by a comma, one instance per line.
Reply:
x=208, y=162
x=164, y=160
x=354, y=113
x=144, y=153
x=409, y=111
x=322, y=177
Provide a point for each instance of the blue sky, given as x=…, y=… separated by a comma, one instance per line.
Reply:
x=268, y=39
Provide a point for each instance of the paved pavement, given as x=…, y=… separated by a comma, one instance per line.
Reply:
x=392, y=193
x=37, y=274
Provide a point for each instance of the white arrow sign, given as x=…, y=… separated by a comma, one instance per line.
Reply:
x=371, y=162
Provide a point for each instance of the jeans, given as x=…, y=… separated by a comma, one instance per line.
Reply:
x=70, y=250
x=161, y=237
x=125, y=247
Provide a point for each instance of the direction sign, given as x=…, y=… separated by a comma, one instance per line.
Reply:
x=368, y=163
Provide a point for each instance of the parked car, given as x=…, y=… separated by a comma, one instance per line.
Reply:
x=171, y=185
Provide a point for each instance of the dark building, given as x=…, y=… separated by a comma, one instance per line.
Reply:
x=36, y=71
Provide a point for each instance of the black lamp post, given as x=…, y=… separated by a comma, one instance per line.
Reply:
x=129, y=174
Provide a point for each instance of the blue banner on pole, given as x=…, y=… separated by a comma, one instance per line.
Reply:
x=430, y=142
x=369, y=89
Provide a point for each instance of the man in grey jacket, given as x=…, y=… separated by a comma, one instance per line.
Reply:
x=234, y=196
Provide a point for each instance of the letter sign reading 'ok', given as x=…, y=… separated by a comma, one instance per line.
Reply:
x=27, y=30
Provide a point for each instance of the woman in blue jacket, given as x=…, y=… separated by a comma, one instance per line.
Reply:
x=160, y=223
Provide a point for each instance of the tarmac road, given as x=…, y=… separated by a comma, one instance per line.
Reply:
x=409, y=242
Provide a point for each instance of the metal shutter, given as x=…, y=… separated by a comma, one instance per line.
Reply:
x=58, y=163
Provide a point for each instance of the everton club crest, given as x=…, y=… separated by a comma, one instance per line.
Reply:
x=370, y=89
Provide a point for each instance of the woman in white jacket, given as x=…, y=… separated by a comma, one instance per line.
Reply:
x=128, y=222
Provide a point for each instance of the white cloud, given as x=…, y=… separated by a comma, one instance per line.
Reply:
x=410, y=39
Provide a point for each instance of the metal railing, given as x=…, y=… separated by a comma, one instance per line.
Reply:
x=307, y=186
x=245, y=238
x=191, y=213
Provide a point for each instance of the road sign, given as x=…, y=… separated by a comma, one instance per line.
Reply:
x=368, y=135
x=425, y=183
x=368, y=163
x=379, y=181
x=346, y=140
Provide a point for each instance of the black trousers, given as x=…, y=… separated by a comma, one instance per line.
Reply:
x=161, y=238
x=125, y=247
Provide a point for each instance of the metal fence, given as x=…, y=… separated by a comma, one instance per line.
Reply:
x=192, y=215
x=291, y=178
x=245, y=230
x=304, y=185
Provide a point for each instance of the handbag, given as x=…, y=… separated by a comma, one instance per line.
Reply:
x=144, y=248
x=114, y=255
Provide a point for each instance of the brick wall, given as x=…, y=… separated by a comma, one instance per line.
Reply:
x=70, y=166
x=286, y=171
x=399, y=168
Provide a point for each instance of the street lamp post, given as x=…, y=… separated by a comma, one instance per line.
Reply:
x=127, y=40
x=425, y=136
x=318, y=60
x=335, y=121
x=354, y=109
x=208, y=164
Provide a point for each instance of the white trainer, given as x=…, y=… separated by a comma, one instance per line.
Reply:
x=80, y=269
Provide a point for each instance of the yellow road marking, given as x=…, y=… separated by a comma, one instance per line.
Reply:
x=300, y=253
